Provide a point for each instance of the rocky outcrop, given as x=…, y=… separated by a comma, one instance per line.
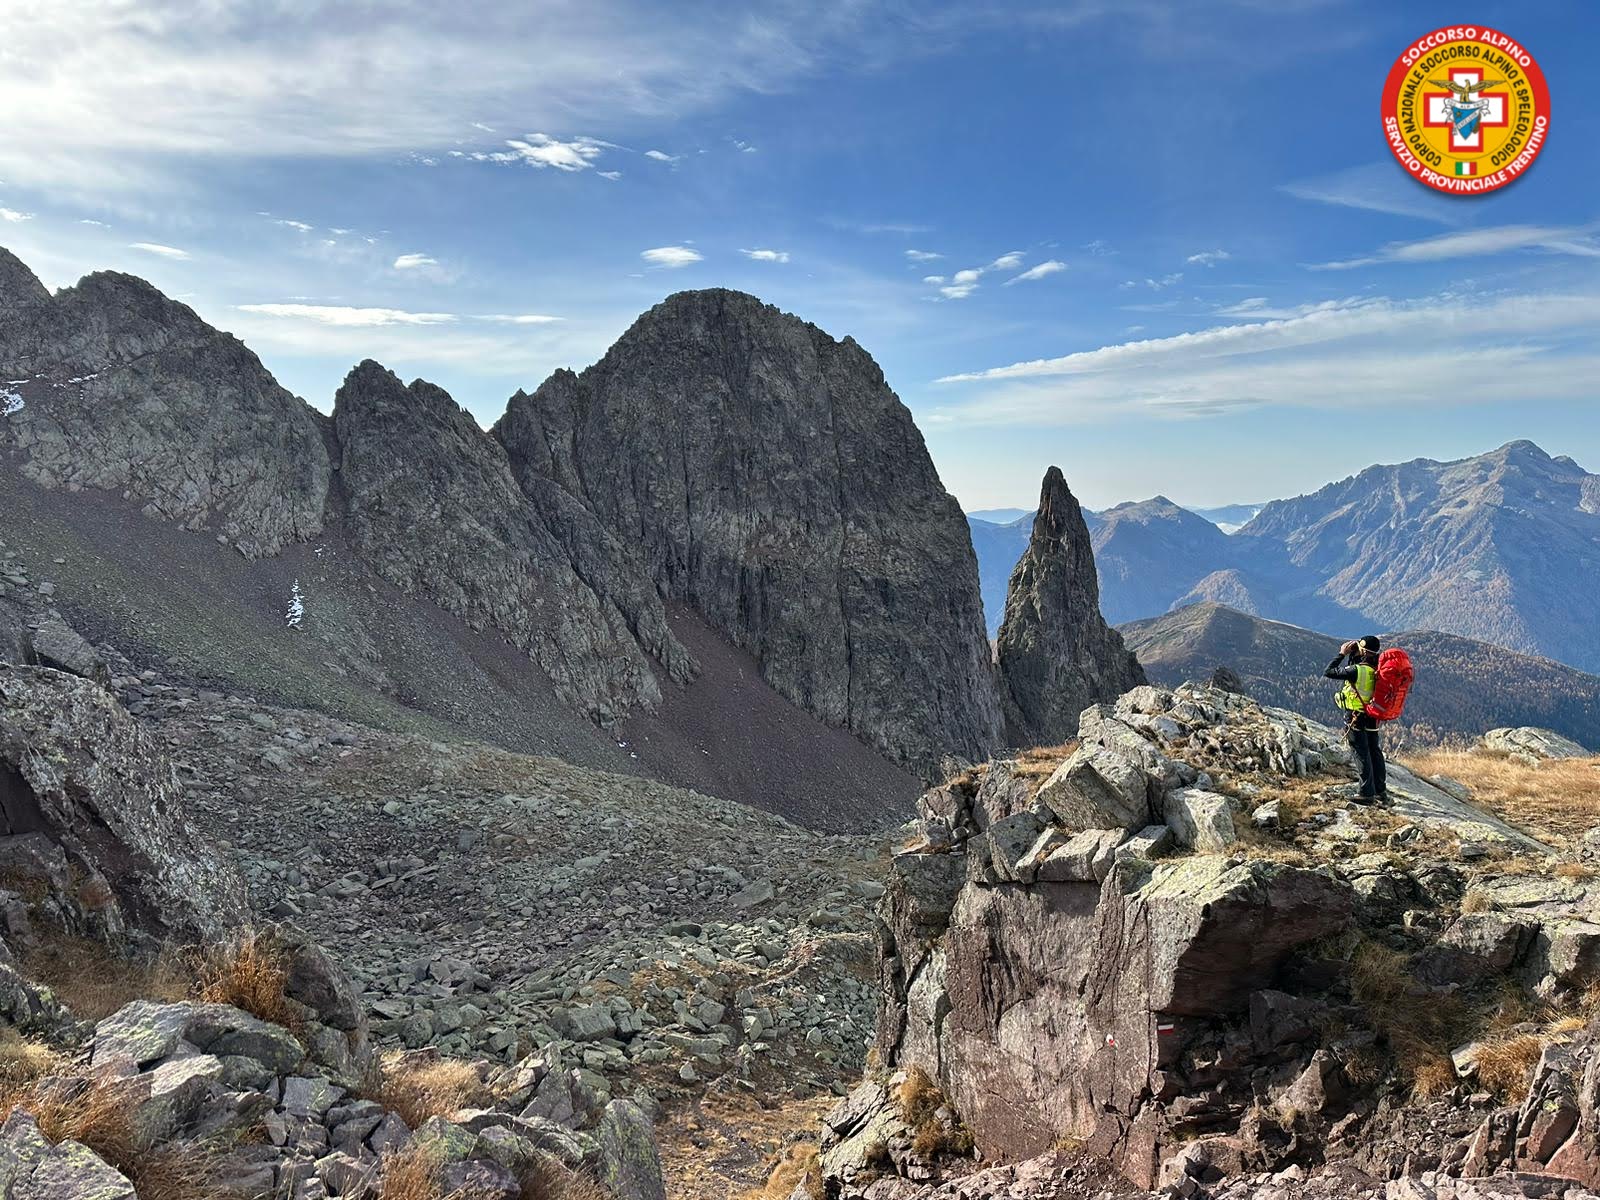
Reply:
x=93, y=809
x=1530, y=744
x=1055, y=652
x=126, y=390
x=433, y=505
x=1103, y=960
x=767, y=476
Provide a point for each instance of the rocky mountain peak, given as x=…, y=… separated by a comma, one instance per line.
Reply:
x=1056, y=654
x=766, y=476
x=19, y=286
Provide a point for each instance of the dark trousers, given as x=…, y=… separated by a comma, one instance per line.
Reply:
x=1369, y=754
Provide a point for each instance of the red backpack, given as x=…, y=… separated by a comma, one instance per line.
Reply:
x=1389, y=687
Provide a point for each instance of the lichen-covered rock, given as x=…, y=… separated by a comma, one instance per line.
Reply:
x=767, y=476
x=630, y=1160
x=74, y=765
x=1056, y=654
x=1528, y=741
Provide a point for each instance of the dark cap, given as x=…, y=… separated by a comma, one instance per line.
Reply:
x=1371, y=644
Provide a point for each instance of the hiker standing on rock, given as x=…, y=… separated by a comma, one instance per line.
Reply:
x=1357, y=666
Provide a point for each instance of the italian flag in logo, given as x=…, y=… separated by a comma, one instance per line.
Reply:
x=1466, y=168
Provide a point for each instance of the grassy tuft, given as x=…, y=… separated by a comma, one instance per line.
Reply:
x=250, y=971
x=1505, y=1067
x=1420, y=1026
x=94, y=982
x=800, y=1164
x=421, y=1087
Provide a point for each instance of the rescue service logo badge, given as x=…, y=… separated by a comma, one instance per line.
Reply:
x=1466, y=109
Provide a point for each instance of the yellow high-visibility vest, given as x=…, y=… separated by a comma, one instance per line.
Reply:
x=1354, y=696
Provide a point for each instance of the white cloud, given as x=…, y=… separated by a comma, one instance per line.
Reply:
x=1039, y=272
x=662, y=156
x=521, y=318
x=1208, y=258
x=97, y=224
x=1477, y=243
x=1155, y=285
x=922, y=256
x=1100, y=248
x=541, y=150
x=744, y=147
x=777, y=256
x=103, y=94
x=965, y=281
x=1440, y=320
x=300, y=225
x=410, y=262
x=671, y=256
x=157, y=248
x=612, y=175
x=346, y=316
x=12, y=215
x=1383, y=187
x=1341, y=355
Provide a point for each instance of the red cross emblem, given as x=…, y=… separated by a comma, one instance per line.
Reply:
x=1465, y=109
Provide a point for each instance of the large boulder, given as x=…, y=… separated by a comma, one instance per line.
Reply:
x=77, y=768
x=1058, y=1003
x=1530, y=742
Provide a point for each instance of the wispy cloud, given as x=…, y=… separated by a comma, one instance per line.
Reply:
x=13, y=216
x=1208, y=258
x=1378, y=187
x=1337, y=354
x=612, y=175
x=922, y=256
x=1009, y=261
x=347, y=316
x=298, y=225
x=662, y=156
x=411, y=262
x=541, y=150
x=904, y=228
x=671, y=256
x=158, y=248
x=521, y=318
x=1049, y=267
x=1155, y=285
x=1477, y=243
x=777, y=256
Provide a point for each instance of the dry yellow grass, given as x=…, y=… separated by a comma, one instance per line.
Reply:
x=1039, y=763
x=1420, y=1026
x=94, y=983
x=919, y=1097
x=23, y=1060
x=419, y=1088
x=249, y=971
x=800, y=1164
x=1555, y=801
x=411, y=1173
x=96, y=1113
x=547, y=1179
x=1505, y=1066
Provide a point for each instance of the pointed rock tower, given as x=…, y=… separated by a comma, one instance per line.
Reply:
x=1056, y=654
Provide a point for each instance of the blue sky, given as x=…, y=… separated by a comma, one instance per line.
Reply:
x=1160, y=244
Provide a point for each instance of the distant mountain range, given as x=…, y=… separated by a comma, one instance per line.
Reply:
x=1503, y=547
x=1463, y=686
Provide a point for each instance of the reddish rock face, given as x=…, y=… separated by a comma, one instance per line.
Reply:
x=1057, y=1010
